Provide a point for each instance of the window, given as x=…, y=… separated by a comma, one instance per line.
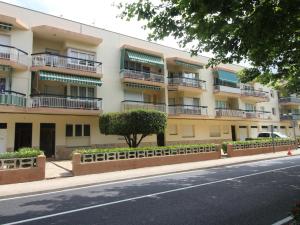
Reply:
x=215, y=131
x=69, y=130
x=82, y=58
x=188, y=131
x=2, y=85
x=82, y=91
x=78, y=130
x=86, y=130
x=249, y=107
x=274, y=111
x=172, y=129
x=221, y=104
x=272, y=93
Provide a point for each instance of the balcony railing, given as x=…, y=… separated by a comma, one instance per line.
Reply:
x=254, y=93
x=257, y=114
x=289, y=100
x=187, y=82
x=139, y=75
x=13, y=54
x=221, y=112
x=12, y=98
x=65, y=102
x=292, y=116
x=187, y=109
x=66, y=62
x=130, y=105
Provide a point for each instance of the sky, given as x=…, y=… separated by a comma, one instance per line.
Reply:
x=99, y=13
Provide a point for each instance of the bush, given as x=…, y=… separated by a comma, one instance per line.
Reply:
x=133, y=123
x=103, y=150
x=296, y=213
x=265, y=140
x=22, y=153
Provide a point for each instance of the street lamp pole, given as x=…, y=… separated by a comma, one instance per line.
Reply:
x=272, y=135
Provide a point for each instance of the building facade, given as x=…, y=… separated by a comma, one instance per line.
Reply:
x=57, y=76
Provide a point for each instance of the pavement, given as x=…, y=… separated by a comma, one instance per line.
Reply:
x=253, y=193
x=59, y=176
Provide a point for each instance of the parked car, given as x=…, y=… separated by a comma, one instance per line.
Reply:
x=269, y=135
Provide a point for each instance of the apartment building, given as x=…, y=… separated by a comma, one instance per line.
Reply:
x=57, y=76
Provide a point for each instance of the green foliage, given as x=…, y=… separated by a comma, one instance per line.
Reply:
x=133, y=123
x=259, y=141
x=296, y=213
x=22, y=153
x=148, y=148
x=265, y=33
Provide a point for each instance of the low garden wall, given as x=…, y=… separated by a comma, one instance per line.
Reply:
x=24, y=167
x=108, y=160
x=244, y=148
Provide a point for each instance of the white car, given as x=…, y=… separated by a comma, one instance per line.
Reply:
x=269, y=134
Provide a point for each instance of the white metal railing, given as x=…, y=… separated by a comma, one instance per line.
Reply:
x=66, y=62
x=188, y=82
x=128, y=105
x=139, y=75
x=67, y=102
x=289, y=100
x=187, y=109
x=230, y=113
x=254, y=93
x=13, y=54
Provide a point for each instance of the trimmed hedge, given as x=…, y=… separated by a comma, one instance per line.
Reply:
x=256, y=141
x=22, y=153
x=150, y=148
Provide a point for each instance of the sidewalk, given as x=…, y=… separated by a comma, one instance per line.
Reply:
x=69, y=182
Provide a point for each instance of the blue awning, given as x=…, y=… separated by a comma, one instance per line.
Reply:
x=228, y=76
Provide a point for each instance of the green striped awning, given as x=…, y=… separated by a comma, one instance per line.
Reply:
x=66, y=78
x=5, y=26
x=145, y=58
x=142, y=86
x=188, y=65
x=228, y=76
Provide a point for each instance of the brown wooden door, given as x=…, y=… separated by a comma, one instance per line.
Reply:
x=23, y=135
x=47, y=139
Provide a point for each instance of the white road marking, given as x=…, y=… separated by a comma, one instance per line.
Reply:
x=283, y=221
x=145, y=196
x=125, y=181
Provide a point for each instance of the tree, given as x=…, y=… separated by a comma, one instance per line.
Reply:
x=134, y=125
x=266, y=33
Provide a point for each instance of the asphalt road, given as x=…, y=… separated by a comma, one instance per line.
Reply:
x=259, y=193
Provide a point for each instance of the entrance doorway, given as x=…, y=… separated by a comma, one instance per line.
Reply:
x=233, y=133
x=23, y=135
x=3, y=137
x=160, y=139
x=47, y=139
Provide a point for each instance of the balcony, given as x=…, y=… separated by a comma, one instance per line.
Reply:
x=256, y=114
x=186, y=84
x=66, y=64
x=227, y=88
x=255, y=95
x=245, y=114
x=13, y=57
x=60, y=104
x=193, y=110
x=139, y=77
x=289, y=101
x=128, y=105
x=220, y=112
x=12, y=98
x=290, y=116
